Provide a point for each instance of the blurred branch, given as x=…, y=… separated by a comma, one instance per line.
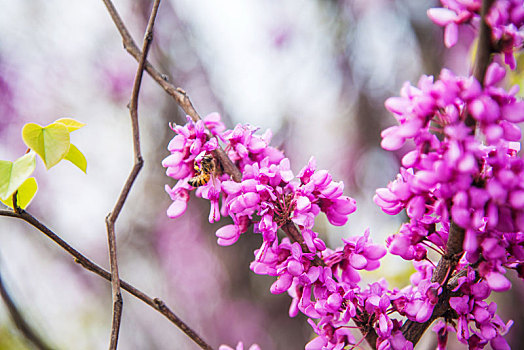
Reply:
x=19, y=321
x=137, y=166
x=155, y=303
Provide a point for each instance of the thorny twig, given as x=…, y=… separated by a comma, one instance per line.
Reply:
x=155, y=303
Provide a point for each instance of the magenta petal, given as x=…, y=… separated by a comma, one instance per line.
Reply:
x=177, y=143
x=498, y=282
x=295, y=268
x=172, y=160
x=499, y=343
x=511, y=131
x=251, y=199
x=386, y=195
x=441, y=16
x=481, y=315
x=470, y=241
x=358, y=261
x=416, y=207
x=316, y=344
x=494, y=74
x=335, y=218
x=397, y=105
x=177, y=208
x=514, y=112
x=509, y=59
x=460, y=304
x=227, y=232
x=281, y=284
x=256, y=145
x=399, y=245
x=410, y=159
x=303, y=203
x=334, y=301
x=319, y=244
x=424, y=313
x=374, y=251
x=391, y=141
x=231, y=187
x=451, y=35
x=344, y=205
x=227, y=242
x=516, y=199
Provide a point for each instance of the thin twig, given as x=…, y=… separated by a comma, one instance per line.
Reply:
x=155, y=303
x=139, y=162
x=178, y=94
x=19, y=320
x=454, y=247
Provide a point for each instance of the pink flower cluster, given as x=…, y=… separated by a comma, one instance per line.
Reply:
x=268, y=189
x=323, y=283
x=505, y=18
x=452, y=174
x=472, y=309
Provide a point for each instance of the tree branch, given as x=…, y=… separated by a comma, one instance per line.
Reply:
x=19, y=320
x=155, y=303
x=139, y=162
x=485, y=47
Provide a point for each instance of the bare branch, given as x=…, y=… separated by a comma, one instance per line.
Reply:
x=19, y=320
x=155, y=303
x=485, y=47
x=139, y=162
x=178, y=94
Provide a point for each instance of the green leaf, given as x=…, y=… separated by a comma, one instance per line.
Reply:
x=70, y=123
x=77, y=158
x=26, y=193
x=12, y=175
x=51, y=143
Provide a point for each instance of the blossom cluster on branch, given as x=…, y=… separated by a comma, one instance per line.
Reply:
x=270, y=197
x=462, y=183
x=505, y=18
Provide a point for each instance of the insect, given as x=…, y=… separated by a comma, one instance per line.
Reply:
x=203, y=172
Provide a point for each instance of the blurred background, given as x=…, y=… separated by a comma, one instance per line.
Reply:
x=316, y=73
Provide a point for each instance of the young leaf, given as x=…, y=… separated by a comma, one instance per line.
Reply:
x=26, y=193
x=12, y=175
x=51, y=143
x=77, y=158
x=70, y=123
